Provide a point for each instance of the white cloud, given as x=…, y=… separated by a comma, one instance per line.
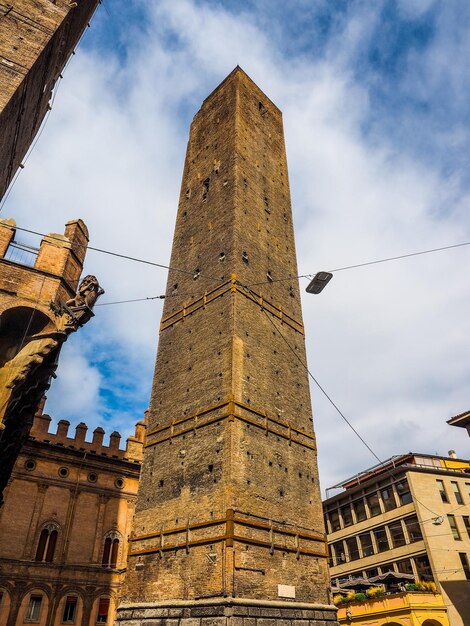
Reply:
x=75, y=394
x=389, y=342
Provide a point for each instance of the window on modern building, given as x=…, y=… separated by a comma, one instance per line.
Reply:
x=454, y=528
x=404, y=493
x=404, y=566
x=381, y=539
x=346, y=514
x=351, y=543
x=360, y=510
x=334, y=521
x=337, y=551
x=373, y=504
x=466, y=521
x=397, y=534
x=412, y=526
x=388, y=498
x=70, y=610
x=423, y=567
x=442, y=490
x=33, y=611
x=367, y=547
x=330, y=556
x=370, y=573
x=110, y=551
x=103, y=611
x=456, y=490
x=467, y=485
x=466, y=567
x=47, y=544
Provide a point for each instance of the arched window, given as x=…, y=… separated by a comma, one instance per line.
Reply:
x=4, y=605
x=111, y=550
x=103, y=611
x=70, y=609
x=47, y=543
x=33, y=612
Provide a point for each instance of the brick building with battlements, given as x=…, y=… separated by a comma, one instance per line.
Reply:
x=65, y=525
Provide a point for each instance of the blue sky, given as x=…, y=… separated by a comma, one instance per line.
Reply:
x=375, y=102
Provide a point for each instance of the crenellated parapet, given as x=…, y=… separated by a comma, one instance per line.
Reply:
x=41, y=274
x=133, y=450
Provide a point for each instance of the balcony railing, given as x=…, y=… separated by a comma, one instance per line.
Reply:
x=22, y=253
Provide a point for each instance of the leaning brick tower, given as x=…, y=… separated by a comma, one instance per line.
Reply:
x=228, y=524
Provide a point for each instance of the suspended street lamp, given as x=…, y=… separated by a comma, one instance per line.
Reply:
x=319, y=282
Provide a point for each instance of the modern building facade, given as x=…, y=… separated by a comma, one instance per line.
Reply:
x=410, y=514
x=65, y=525
x=397, y=609
x=461, y=421
x=228, y=521
x=37, y=38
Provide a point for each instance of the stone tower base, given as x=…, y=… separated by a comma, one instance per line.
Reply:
x=226, y=612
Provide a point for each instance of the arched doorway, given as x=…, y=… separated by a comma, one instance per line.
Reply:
x=16, y=325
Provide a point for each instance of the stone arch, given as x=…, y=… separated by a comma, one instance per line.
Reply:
x=16, y=324
x=37, y=586
x=65, y=593
x=29, y=349
x=5, y=602
x=431, y=622
x=29, y=597
x=97, y=616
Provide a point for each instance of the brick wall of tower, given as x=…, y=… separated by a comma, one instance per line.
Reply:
x=229, y=501
x=36, y=39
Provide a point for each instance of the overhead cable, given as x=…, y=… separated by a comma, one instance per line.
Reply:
x=335, y=406
x=126, y=256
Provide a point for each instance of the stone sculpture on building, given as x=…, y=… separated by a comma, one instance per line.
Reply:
x=40, y=306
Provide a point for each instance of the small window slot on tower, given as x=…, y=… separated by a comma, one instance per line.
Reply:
x=205, y=189
x=266, y=205
x=269, y=276
x=197, y=273
x=245, y=257
x=261, y=108
x=222, y=257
